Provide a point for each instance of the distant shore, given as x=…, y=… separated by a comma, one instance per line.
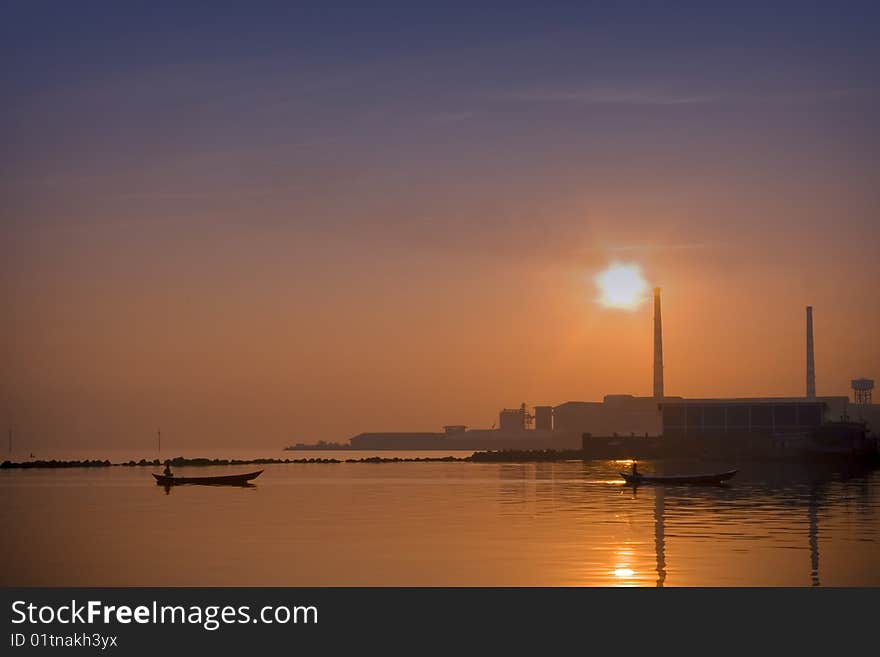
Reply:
x=179, y=462
x=494, y=456
x=503, y=456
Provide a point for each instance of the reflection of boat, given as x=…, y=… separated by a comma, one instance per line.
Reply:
x=225, y=480
x=714, y=478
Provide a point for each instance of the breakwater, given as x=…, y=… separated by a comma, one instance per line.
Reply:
x=55, y=464
x=179, y=462
x=494, y=456
x=595, y=450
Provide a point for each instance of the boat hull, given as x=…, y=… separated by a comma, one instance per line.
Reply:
x=225, y=480
x=705, y=479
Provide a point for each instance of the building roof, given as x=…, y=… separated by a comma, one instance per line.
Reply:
x=756, y=400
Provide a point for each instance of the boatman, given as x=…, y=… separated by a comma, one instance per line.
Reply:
x=635, y=469
x=167, y=471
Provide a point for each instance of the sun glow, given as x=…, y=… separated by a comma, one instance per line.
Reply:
x=621, y=286
x=623, y=573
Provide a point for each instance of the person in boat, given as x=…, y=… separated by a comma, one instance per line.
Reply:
x=167, y=471
x=635, y=469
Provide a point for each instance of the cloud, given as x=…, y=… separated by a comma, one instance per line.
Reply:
x=450, y=117
x=653, y=97
x=657, y=247
x=608, y=97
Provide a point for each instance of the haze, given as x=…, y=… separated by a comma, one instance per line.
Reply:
x=262, y=227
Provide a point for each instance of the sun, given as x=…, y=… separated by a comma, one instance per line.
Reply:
x=621, y=286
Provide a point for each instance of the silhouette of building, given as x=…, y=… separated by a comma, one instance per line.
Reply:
x=544, y=418
x=749, y=416
x=562, y=426
x=616, y=414
x=512, y=419
x=471, y=439
x=454, y=428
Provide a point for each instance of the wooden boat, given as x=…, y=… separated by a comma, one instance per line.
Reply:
x=712, y=478
x=224, y=480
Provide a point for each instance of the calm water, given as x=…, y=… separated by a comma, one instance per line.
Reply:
x=542, y=524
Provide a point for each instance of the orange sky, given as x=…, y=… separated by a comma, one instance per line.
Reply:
x=263, y=337
x=291, y=239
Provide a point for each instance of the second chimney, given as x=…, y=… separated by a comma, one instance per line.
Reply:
x=811, y=364
x=658, y=347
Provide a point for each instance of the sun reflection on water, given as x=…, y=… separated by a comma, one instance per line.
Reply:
x=623, y=573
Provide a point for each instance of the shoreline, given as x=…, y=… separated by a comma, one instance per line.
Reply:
x=179, y=462
x=499, y=456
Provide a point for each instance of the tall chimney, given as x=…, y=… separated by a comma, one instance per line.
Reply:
x=658, y=347
x=811, y=365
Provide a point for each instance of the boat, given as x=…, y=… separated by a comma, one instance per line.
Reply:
x=710, y=478
x=224, y=480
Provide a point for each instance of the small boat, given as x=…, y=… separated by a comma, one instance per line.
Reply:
x=224, y=480
x=713, y=478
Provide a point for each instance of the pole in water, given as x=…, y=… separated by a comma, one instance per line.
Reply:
x=160, y=442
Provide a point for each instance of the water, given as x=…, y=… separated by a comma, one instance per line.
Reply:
x=460, y=524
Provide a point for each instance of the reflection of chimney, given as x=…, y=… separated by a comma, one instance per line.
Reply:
x=658, y=347
x=811, y=365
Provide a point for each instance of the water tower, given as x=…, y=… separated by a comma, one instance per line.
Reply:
x=862, y=390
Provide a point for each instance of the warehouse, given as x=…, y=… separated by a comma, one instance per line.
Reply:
x=752, y=416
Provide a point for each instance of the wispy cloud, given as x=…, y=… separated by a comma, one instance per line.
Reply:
x=652, y=96
x=819, y=94
x=444, y=118
x=607, y=97
x=636, y=250
x=656, y=247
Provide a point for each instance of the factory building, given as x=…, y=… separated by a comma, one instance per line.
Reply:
x=513, y=419
x=616, y=414
x=749, y=416
x=544, y=418
x=399, y=440
x=566, y=425
x=470, y=439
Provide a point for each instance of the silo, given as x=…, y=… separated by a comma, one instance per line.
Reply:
x=544, y=418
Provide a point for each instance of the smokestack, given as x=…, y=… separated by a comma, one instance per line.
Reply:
x=658, y=347
x=811, y=364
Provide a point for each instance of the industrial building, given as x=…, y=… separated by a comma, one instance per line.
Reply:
x=471, y=439
x=615, y=414
x=749, y=416
x=573, y=424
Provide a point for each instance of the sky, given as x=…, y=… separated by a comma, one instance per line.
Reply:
x=266, y=223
